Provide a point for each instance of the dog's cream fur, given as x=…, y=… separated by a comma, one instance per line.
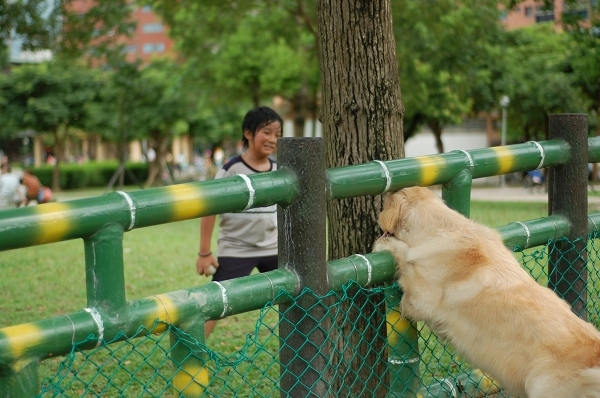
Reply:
x=460, y=279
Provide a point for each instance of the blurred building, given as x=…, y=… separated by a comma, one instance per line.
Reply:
x=529, y=12
x=150, y=38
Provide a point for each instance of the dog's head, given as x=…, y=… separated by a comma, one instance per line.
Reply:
x=411, y=212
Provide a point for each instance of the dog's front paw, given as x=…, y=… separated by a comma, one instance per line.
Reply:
x=381, y=244
x=397, y=247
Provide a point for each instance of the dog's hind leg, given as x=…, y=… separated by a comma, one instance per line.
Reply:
x=585, y=384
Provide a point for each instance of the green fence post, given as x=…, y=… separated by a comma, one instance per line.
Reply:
x=192, y=376
x=403, y=350
x=20, y=379
x=304, y=326
x=104, y=271
x=567, y=195
x=457, y=193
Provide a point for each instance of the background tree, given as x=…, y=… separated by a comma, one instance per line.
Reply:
x=261, y=48
x=161, y=111
x=26, y=20
x=537, y=79
x=362, y=121
x=443, y=50
x=48, y=98
x=69, y=28
x=585, y=57
x=113, y=112
x=585, y=60
x=151, y=102
x=89, y=30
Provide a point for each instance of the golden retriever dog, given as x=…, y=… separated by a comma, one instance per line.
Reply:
x=460, y=279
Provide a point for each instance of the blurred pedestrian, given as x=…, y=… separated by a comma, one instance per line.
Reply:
x=10, y=196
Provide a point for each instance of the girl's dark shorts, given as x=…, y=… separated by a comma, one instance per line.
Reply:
x=235, y=267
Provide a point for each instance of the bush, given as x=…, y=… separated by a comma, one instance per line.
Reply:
x=90, y=174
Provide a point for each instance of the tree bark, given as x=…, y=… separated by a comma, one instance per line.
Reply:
x=362, y=116
x=437, y=129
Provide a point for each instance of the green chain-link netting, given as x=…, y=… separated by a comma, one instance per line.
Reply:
x=356, y=363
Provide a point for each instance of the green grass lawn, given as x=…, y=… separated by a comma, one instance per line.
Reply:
x=49, y=280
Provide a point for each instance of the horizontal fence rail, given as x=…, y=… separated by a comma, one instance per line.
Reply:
x=81, y=218
x=54, y=336
x=54, y=222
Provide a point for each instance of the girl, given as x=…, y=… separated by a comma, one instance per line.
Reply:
x=247, y=240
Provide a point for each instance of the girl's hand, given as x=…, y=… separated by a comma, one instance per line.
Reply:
x=206, y=265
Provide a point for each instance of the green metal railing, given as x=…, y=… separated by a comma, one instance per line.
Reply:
x=297, y=186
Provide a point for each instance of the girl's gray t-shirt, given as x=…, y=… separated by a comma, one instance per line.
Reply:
x=250, y=233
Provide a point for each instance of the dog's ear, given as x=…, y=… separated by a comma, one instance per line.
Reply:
x=390, y=217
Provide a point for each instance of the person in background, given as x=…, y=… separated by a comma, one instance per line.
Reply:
x=248, y=239
x=32, y=187
x=10, y=196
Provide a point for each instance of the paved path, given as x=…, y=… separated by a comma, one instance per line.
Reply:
x=517, y=194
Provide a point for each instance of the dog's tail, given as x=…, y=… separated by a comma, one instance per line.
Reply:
x=585, y=385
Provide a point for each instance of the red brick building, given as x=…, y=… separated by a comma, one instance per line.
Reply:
x=150, y=38
x=529, y=12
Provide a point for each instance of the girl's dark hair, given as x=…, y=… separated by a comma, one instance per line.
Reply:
x=258, y=118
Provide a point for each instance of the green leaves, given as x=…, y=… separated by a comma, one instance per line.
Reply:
x=45, y=97
x=444, y=50
x=536, y=78
x=247, y=50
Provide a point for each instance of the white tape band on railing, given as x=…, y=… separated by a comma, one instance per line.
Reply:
x=355, y=269
x=251, y=191
x=98, y=319
x=595, y=226
x=388, y=177
x=166, y=310
x=272, y=286
x=451, y=386
x=471, y=161
x=225, y=299
x=526, y=231
x=542, y=153
x=369, y=268
x=131, y=209
x=72, y=327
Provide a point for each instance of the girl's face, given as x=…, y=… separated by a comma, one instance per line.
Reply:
x=264, y=142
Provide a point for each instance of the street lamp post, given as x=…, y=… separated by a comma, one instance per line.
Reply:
x=504, y=101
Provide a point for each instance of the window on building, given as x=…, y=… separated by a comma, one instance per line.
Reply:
x=544, y=13
x=503, y=15
x=149, y=48
x=131, y=48
x=154, y=27
x=147, y=9
x=528, y=11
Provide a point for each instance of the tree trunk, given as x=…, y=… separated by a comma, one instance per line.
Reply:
x=57, y=160
x=153, y=170
x=158, y=167
x=362, y=121
x=526, y=133
x=437, y=129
